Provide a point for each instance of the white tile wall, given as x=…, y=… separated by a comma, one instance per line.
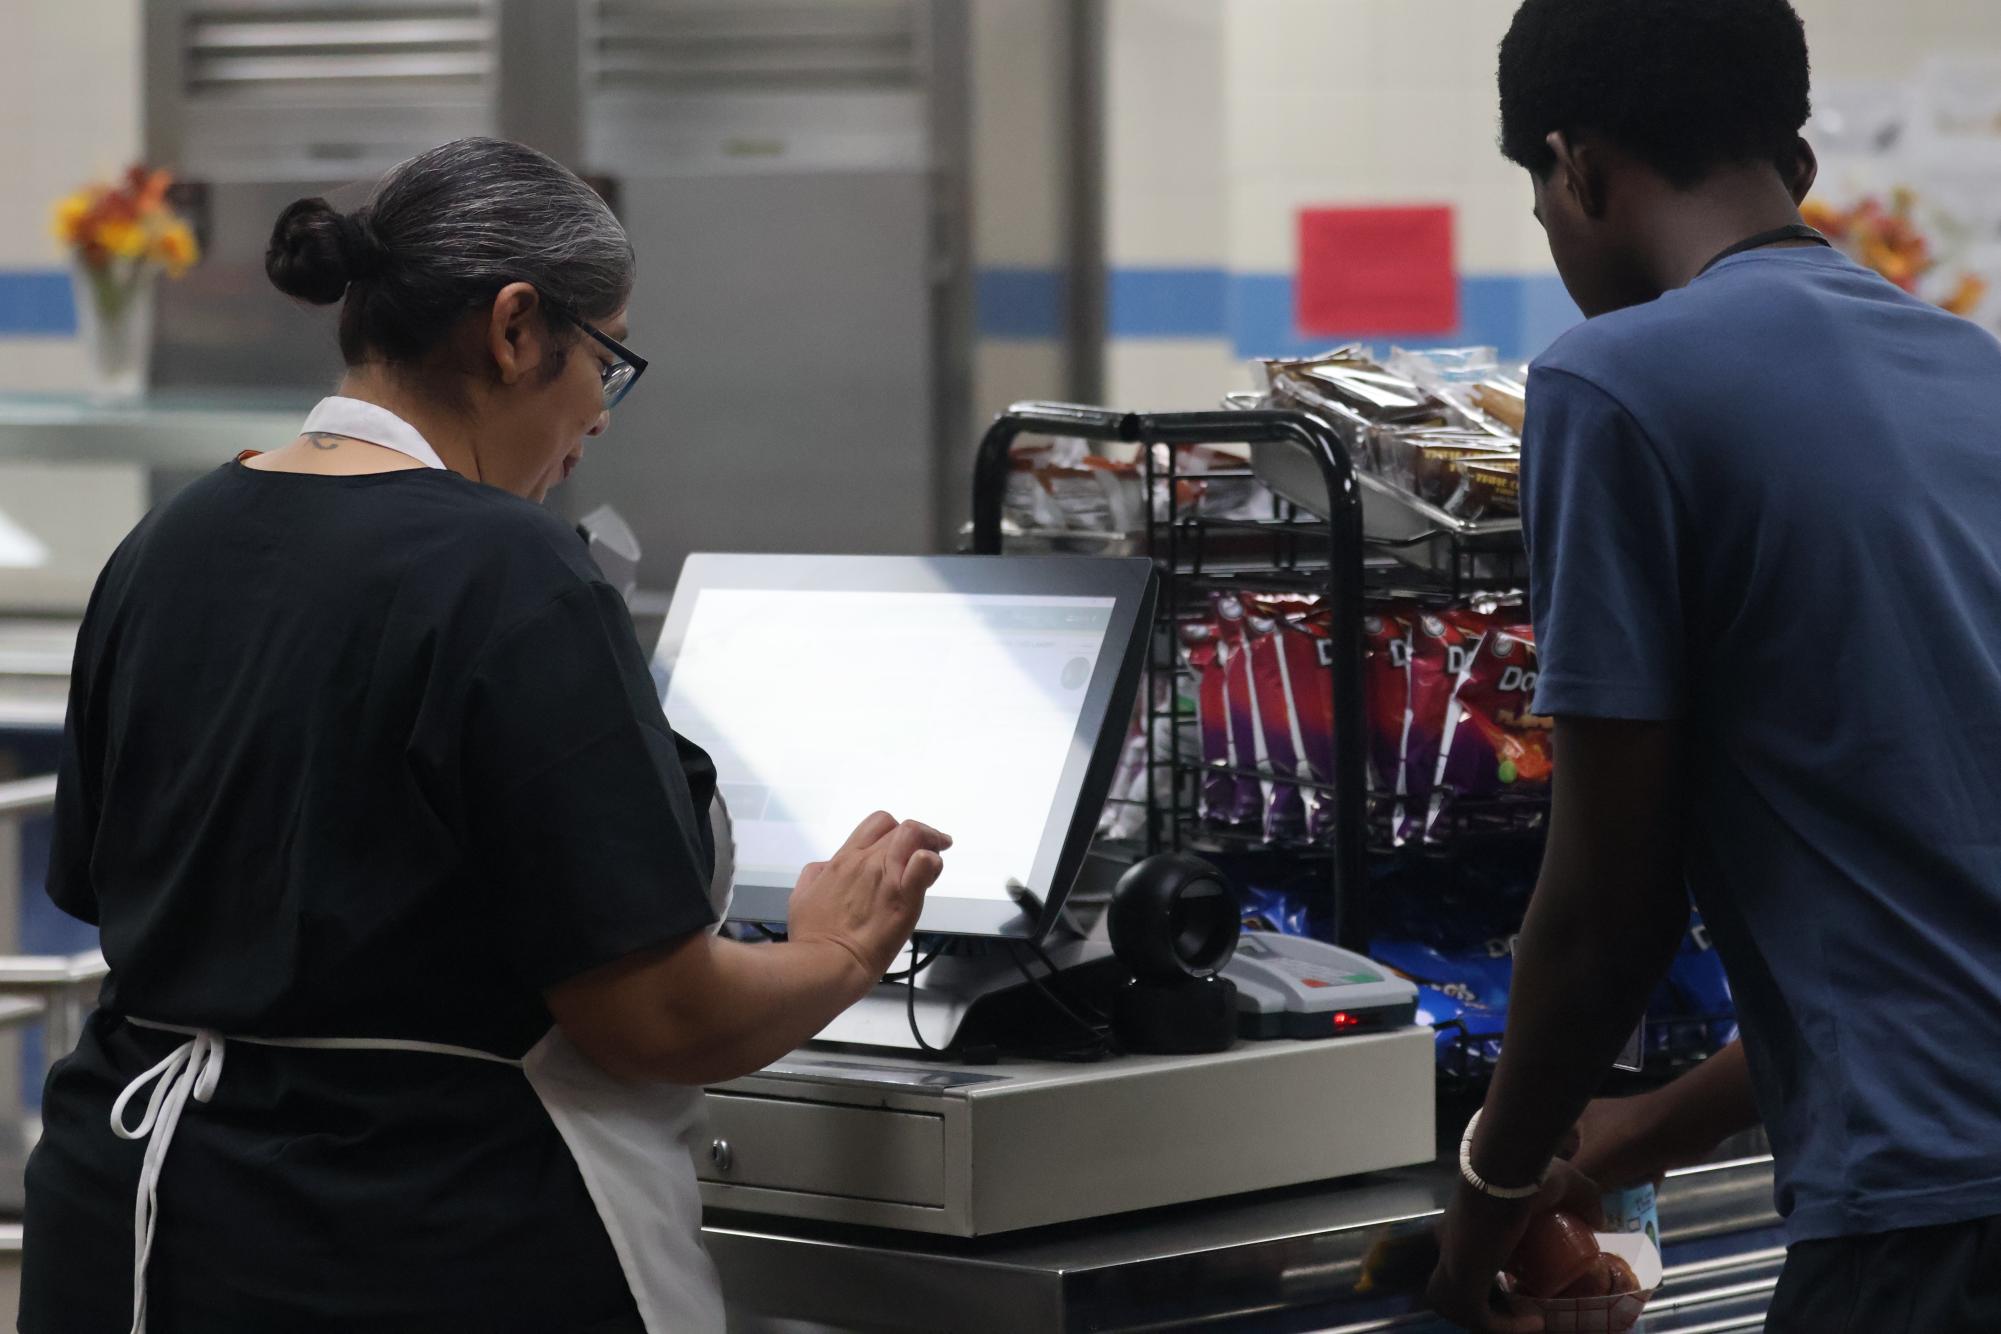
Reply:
x=1008, y=372
x=1367, y=101
x=1164, y=155
x=1171, y=374
x=1871, y=39
x=1223, y=118
x=1017, y=129
x=69, y=112
x=1392, y=101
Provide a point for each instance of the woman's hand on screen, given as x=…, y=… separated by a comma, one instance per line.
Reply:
x=866, y=897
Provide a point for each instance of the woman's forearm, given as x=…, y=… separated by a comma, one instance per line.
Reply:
x=759, y=1003
x=707, y=1009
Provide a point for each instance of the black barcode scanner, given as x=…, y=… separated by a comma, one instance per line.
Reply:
x=1174, y=923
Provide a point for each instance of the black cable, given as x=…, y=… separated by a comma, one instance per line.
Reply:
x=905, y=974
x=910, y=1003
x=1050, y=964
x=1100, y=1040
x=1043, y=955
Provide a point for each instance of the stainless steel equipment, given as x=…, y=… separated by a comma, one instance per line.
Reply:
x=1281, y=1260
x=870, y=1138
x=255, y=103
x=76, y=476
x=792, y=175
x=55, y=989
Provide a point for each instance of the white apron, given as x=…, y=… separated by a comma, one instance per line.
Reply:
x=634, y=1144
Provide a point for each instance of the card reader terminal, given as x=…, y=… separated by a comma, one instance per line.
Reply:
x=1297, y=987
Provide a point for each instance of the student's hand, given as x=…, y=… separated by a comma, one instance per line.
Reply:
x=866, y=897
x=1478, y=1235
x=1620, y=1144
x=1625, y=1141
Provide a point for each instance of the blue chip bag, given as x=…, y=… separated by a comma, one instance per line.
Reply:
x=1464, y=1000
x=1693, y=1013
x=1281, y=911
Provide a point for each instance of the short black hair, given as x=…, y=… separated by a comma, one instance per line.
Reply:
x=1684, y=85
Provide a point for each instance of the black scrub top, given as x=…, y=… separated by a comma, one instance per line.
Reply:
x=371, y=757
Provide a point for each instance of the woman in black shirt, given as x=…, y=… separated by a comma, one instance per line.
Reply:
x=362, y=748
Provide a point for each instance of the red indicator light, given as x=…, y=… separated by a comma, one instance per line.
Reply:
x=1342, y=1019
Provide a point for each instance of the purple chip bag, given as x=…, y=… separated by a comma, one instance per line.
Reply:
x=1285, y=811
x=1438, y=654
x=1201, y=648
x=1386, y=696
x=1493, y=743
x=1306, y=656
x=1126, y=801
x=1246, y=746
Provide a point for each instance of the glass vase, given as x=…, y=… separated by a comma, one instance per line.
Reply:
x=114, y=307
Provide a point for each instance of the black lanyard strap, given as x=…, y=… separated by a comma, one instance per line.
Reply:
x=1792, y=231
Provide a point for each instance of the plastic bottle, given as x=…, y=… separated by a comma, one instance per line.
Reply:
x=1634, y=1210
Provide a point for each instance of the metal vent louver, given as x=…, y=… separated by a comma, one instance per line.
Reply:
x=755, y=46
x=313, y=90
x=291, y=52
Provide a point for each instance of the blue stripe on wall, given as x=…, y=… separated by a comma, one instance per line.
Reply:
x=1548, y=313
x=1519, y=315
x=1014, y=304
x=1168, y=303
x=36, y=303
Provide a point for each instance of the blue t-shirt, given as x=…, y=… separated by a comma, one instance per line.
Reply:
x=1768, y=505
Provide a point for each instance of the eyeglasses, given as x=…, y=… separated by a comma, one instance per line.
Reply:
x=622, y=372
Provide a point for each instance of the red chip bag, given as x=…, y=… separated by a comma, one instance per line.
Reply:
x=1438, y=653
x=1492, y=743
x=1386, y=695
x=1305, y=636
x=1285, y=815
x=1302, y=630
x=1201, y=650
x=1246, y=746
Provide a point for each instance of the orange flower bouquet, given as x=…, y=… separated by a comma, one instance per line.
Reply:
x=120, y=238
x=1889, y=240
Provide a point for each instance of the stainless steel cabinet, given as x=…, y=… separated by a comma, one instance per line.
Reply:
x=792, y=174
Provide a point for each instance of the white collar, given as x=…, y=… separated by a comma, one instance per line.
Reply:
x=360, y=420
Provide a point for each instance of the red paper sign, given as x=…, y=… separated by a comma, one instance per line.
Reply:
x=1376, y=271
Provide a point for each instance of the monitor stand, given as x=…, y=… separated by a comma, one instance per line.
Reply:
x=974, y=997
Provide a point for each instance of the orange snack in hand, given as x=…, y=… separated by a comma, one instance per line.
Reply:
x=1608, y=1276
x=1557, y=1251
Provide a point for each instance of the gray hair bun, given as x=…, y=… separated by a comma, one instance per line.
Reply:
x=439, y=236
x=316, y=251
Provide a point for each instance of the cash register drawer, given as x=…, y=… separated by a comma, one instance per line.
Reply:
x=825, y=1149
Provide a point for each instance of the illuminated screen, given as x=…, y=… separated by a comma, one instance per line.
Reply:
x=958, y=709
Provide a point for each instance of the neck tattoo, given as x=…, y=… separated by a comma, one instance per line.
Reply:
x=322, y=440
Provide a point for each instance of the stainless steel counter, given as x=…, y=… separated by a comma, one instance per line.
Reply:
x=1288, y=1261
x=76, y=475
x=35, y=655
x=172, y=432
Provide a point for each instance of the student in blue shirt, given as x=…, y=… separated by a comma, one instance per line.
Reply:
x=1762, y=493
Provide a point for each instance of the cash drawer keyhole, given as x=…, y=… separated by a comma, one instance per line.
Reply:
x=722, y=1155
